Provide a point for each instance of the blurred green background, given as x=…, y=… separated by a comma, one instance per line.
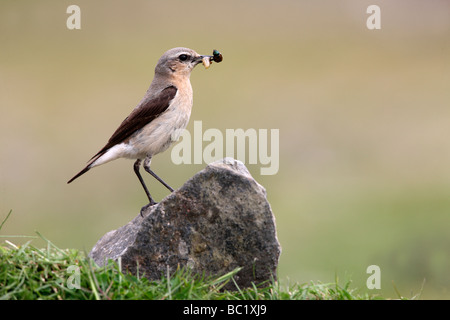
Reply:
x=364, y=120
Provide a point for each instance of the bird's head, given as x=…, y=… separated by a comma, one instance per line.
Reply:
x=178, y=62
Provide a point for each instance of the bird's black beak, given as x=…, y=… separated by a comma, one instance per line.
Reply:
x=199, y=59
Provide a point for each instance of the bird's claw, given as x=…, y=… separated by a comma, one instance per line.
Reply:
x=152, y=203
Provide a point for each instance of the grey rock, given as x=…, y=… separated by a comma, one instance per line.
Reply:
x=218, y=220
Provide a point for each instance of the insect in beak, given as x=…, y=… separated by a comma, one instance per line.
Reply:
x=216, y=57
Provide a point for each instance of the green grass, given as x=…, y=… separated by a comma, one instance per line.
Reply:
x=27, y=272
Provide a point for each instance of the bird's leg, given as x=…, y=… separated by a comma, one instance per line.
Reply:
x=147, y=168
x=137, y=164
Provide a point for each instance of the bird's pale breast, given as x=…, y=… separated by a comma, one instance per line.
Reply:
x=159, y=134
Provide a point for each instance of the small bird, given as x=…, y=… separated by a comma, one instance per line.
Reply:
x=158, y=120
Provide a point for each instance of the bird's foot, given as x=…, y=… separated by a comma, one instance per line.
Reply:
x=152, y=203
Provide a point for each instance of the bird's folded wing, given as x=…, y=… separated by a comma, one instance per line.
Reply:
x=140, y=117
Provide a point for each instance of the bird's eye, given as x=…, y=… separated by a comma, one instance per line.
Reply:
x=183, y=57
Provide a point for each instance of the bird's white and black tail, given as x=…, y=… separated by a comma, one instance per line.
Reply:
x=89, y=165
x=86, y=169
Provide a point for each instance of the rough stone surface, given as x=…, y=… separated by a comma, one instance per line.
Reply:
x=217, y=221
